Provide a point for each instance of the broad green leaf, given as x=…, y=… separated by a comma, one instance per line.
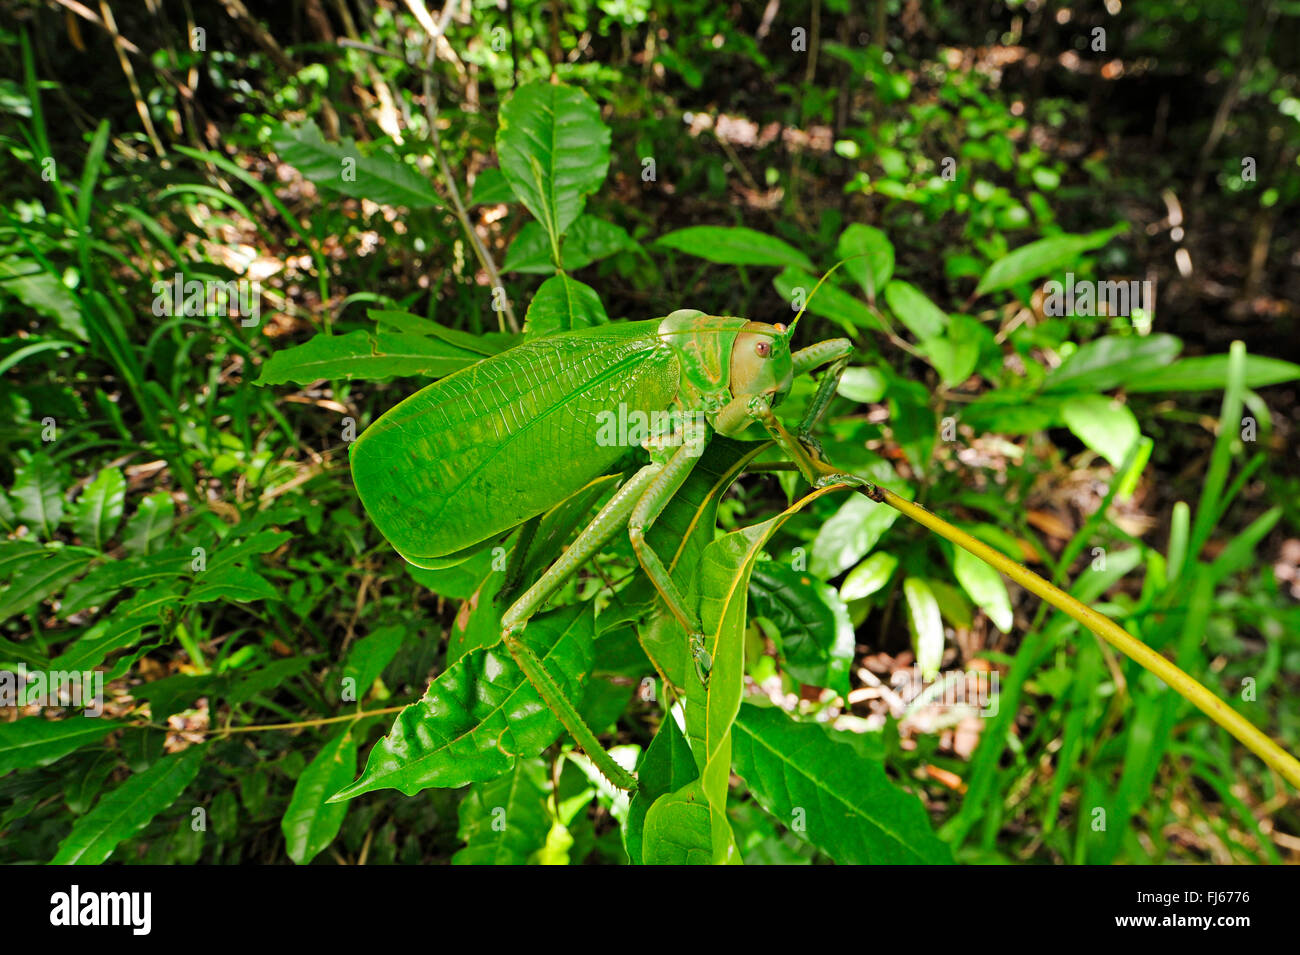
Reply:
x=725, y=570
x=1041, y=258
x=106, y=579
x=483, y=345
x=369, y=656
x=849, y=535
x=869, y=257
x=491, y=189
x=666, y=767
x=1210, y=373
x=588, y=240
x=830, y=301
x=480, y=714
x=363, y=355
x=99, y=508
x=42, y=291
x=1111, y=360
x=151, y=523
x=735, y=245
x=310, y=823
x=816, y=635
x=554, y=152
x=236, y=552
x=120, y=630
x=926, y=624
x=506, y=821
x=561, y=305
x=914, y=309
x=846, y=803
x=985, y=586
x=38, y=493
x=1104, y=425
x=868, y=577
x=864, y=385
x=35, y=741
x=44, y=573
x=342, y=167
x=679, y=828
x=129, y=808
x=239, y=584
x=953, y=360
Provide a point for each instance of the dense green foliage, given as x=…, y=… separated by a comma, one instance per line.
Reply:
x=178, y=513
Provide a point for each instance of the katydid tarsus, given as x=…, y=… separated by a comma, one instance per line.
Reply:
x=459, y=465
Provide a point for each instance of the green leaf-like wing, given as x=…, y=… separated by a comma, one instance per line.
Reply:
x=33, y=741
x=846, y=802
x=554, y=152
x=129, y=808
x=480, y=714
x=310, y=823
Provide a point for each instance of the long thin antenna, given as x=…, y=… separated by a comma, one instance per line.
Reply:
x=829, y=272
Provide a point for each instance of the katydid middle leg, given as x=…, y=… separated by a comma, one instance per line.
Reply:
x=607, y=522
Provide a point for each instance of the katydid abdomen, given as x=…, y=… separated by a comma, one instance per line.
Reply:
x=488, y=447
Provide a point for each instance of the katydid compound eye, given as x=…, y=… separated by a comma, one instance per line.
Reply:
x=763, y=349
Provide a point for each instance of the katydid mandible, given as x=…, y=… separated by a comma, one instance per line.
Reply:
x=458, y=466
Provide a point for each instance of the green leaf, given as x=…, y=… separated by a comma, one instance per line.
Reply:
x=872, y=264
x=343, y=168
x=361, y=355
x=239, y=584
x=1104, y=425
x=831, y=301
x=35, y=741
x=1041, y=258
x=150, y=524
x=735, y=245
x=369, y=656
x=864, y=385
x=679, y=828
x=480, y=714
x=99, y=508
x=43, y=292
x=44, y=573
x=816, y=635
x=122, y=629
x=491, y=189
x=953, y=360
x=846, y=804
x=129, y=808
x=666, y=767
x=554, y=152
x=1111, y=360
x=914, y=309
x=1210, y=373
x=506, y=821
x=868, y=577
x=985, y=586
x=561, y=305
x=588, y=240
x=849, y=535
x=310, y=823
x=926, y=624
x=39, y=495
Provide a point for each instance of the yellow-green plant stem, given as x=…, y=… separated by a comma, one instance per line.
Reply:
x=1119, y=638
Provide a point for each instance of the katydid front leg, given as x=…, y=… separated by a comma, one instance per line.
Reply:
x=834, y=350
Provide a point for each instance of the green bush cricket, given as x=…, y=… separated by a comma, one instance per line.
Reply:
x=459, y=465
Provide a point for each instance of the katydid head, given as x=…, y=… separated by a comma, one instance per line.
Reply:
x=761, y=363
